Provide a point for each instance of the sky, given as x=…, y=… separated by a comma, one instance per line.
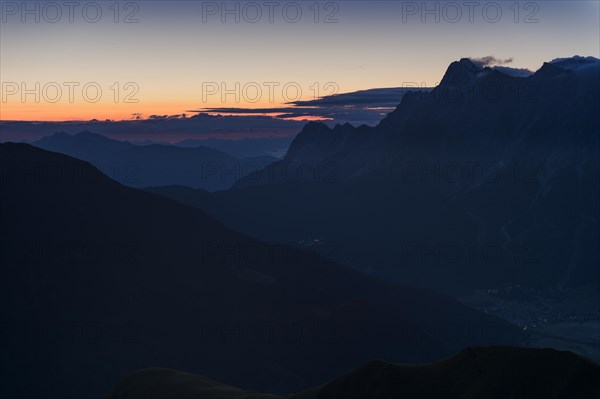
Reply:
x=143, y=58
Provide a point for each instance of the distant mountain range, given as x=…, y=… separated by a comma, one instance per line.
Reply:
x=245, y=148
x=488, y=180
x=100, y=280
x=477, y=373
x=156, y=164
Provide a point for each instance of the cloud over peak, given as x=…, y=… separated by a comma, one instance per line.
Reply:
x=490, y=60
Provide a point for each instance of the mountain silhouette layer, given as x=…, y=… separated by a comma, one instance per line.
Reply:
x=488, y=180
x=100, y=279
x=475, y=373
x=155, y=164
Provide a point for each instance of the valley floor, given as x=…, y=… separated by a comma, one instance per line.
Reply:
x=559, y=319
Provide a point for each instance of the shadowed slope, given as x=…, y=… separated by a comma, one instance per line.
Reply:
x=101, y=279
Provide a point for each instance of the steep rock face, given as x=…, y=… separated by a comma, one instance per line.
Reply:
x=476, y=114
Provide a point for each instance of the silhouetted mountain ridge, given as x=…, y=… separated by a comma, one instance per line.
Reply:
x=482, y=373
x=475, y=105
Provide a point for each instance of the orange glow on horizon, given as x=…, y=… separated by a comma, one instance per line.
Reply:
x=103, y=111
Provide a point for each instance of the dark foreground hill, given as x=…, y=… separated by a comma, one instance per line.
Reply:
x=99, y=279
x=475, y=373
